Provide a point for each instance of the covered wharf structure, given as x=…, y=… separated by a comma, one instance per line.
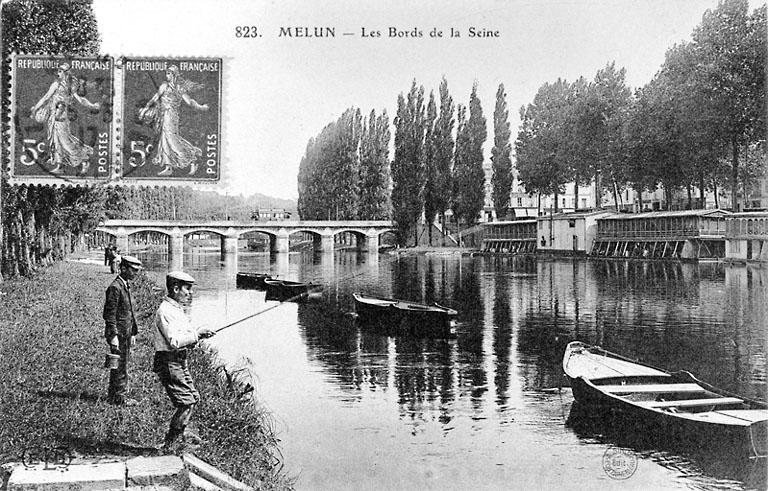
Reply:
x=514, y=237
x=689, y=234
x=747, y=236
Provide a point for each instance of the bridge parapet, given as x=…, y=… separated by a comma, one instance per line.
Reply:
x=367, y=231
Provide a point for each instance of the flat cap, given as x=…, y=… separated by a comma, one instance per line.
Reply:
x=180, y=276
x=131, y=261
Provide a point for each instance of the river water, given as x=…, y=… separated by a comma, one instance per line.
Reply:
x=488, y=409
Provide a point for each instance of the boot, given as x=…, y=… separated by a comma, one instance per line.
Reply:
x=191, y=437
x=174, y=441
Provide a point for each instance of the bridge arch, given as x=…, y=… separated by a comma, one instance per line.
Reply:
x=248, y=235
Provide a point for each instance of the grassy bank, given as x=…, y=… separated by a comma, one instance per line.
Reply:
x=52, y=384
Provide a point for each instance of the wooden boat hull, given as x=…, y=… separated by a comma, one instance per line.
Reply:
x=252, y=280
x=402, y=317
x=676, y=407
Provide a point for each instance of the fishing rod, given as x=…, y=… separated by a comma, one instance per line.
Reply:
x=271, y=307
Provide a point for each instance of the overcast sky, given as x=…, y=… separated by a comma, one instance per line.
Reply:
x=280, y=91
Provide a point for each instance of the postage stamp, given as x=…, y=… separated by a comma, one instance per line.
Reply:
x=171, y=118
x=62, y=117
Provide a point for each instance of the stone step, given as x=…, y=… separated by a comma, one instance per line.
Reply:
x=161, y=473
x=165, y=470
x=213, y=475
x=202, y=484
x=78, y=476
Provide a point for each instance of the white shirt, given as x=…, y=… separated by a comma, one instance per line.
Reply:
x=173, y=329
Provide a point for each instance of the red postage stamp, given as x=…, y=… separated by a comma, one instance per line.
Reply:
x=171, y=126
x=62, y=117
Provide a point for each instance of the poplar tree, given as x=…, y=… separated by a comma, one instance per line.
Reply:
x=501, y=160
x=431, y=189
x=469, y=178
x=342, y=179
x=444, y=149
x=408, y=164
x=374, y=196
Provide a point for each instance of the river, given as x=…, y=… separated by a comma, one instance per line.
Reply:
x=489, y=408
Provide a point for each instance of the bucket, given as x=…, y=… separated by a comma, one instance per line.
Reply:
x=111, y=361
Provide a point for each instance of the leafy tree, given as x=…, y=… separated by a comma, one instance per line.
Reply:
x=469, y=177
x=699, y=139
x=609, y=95
x=501, y=155
x=596, y=121
x=730, y=47
x=541, y=147
x=654, y=139
x=408, y=164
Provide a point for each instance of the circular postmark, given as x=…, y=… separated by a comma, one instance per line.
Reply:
x=619, y=463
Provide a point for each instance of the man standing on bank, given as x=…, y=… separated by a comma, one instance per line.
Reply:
x=174, y=336
x=121, y=329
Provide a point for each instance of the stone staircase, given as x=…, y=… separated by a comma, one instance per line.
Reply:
x=138, y=473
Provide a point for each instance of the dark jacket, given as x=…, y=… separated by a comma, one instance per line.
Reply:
x=118, y=312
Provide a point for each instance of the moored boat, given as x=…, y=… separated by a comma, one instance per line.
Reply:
x=402, y=314
x=294, y=291
x=252, y=280
x=676, y=406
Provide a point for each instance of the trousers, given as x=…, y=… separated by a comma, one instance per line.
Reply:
x=118, y=378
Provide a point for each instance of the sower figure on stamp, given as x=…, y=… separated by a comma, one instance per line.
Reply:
x=121, y=329
x=163, y=113
x=173, y=337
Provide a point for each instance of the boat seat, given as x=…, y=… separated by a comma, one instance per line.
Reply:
x=660, y=388
x=715, y=401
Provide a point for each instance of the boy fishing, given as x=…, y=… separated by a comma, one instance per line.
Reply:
x=173, y=337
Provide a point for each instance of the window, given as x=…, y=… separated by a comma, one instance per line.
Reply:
x=572, y=223
x=519, y=201
x=563, y=202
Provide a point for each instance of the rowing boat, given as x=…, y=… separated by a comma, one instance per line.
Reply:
x=405, y=315
x=676, y=405
x=290, y=291
x=252, y=280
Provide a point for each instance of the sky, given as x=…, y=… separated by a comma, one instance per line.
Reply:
x=280, y=91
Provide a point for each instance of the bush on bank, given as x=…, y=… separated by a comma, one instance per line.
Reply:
x=53, y=386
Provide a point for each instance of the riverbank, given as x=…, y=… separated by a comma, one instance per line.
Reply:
x=52, y=384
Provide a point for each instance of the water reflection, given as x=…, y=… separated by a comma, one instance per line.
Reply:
x=494, y=388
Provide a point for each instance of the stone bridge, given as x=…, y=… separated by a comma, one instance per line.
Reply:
x=367, y=232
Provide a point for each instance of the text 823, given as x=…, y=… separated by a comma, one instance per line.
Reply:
x=246, y=32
